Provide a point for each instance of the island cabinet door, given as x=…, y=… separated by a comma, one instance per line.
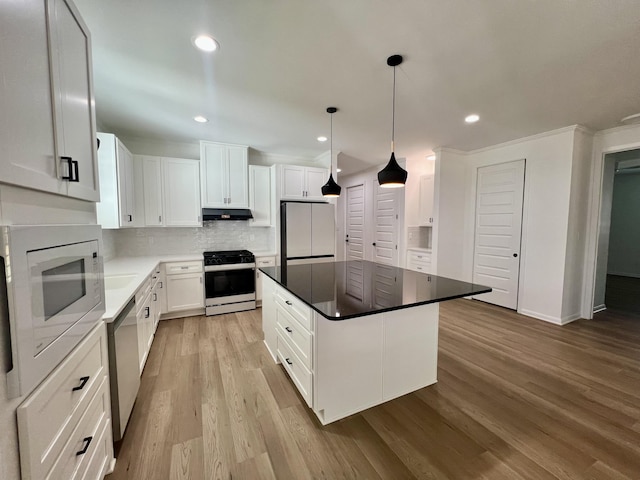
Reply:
x=348, y=366
x=410, y=354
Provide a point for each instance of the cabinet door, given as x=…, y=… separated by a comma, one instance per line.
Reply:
x=237, y=174
x=260, y=196
x=107, y=209
x=293, y=182
x=426, y=199
x=181, y=192
x=315, y=179
x=26, y=117
x=71, y=70
x=126, y=197
x=138, y=191
x=152, y=183
x=184, y=292
x=213, y=158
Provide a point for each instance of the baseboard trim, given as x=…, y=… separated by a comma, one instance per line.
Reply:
x=541, y=316
x=624, y=274
x=600, y=308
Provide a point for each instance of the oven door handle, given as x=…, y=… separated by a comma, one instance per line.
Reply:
x=234, y=266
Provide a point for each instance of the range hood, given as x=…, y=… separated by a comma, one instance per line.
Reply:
x=226, y=214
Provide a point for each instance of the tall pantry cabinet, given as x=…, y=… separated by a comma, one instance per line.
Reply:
x=47, y=118
x=48, y=139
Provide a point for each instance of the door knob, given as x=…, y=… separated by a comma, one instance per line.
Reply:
x=347, y=240
x=515, y=255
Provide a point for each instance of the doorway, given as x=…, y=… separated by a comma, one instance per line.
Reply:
x=354, y=242
x=385, y=234
x=618, y=274
x=498, y=231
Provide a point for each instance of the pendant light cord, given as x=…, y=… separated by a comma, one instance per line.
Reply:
x=393, y=112
x=331, y=147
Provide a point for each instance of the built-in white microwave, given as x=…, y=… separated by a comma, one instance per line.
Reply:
x=54, y=287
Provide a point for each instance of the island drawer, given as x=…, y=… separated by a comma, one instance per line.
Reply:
x=295, y=307
x=301, y=376
x=297, y=336
x=419, y=257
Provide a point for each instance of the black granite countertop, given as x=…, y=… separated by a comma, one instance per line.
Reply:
x=343, y=290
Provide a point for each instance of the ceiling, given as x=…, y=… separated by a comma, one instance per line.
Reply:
x=524, y=66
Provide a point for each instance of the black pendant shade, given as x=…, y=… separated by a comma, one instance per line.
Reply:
x=393, y=175
x=331, y=189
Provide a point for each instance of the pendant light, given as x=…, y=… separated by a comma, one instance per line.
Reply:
x=331, y=189
x=393, y=175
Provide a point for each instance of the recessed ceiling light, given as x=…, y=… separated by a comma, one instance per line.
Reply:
x=200, y=119
x=431, y=157
x=206, y=43
x=322, y=139
x=338, y=170
x=472, y=118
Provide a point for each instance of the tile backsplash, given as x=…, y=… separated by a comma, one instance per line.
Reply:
x=419, y=237
x=222, y=235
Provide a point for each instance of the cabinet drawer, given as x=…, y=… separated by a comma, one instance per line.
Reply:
x=71, y=463
x=298, y=337
x=183, y=267
x=47, y=417
x=419, y=267
x=301, y=376
x=265, y=262
x=295, y=307
x=102, y=454
x=142, y=292
x=419, y=257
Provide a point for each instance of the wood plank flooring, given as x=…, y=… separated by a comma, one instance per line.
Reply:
x=516, y=398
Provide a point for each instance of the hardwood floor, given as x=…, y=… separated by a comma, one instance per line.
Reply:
x=516, y=398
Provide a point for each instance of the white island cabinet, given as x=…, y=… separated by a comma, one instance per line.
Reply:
x=346, y=347
x=47, y=118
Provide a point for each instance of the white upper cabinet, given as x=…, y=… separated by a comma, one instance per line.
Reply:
x=152, y=187
x=262, y=195
x=426, y=200
x=47, y=118
x=181, y=192
x=302, y=183
x=224, y=174
x=117, y=207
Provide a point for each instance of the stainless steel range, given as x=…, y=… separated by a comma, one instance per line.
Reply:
x=230, y=281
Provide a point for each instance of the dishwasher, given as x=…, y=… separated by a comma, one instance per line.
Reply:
x=124, y=369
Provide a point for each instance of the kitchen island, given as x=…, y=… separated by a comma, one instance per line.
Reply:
x=354, y=334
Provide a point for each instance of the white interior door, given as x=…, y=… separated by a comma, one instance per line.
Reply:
x=385, y=235
x=496, y=260
x=354, y=241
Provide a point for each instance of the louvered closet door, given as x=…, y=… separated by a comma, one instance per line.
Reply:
x=355, y=223
x=496, y=261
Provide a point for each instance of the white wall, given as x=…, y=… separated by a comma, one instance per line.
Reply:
x=578, y=219
x=548, y=182
x=607, y=141
x=624, y=237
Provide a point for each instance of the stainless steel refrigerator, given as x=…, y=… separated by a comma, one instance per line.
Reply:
x=307, y=232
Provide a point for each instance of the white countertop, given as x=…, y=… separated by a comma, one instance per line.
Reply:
x=141, y=267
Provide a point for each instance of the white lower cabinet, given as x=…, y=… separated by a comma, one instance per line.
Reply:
x=65, y=424
x=419, y=261
x=269, y=261
x=185, y=286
